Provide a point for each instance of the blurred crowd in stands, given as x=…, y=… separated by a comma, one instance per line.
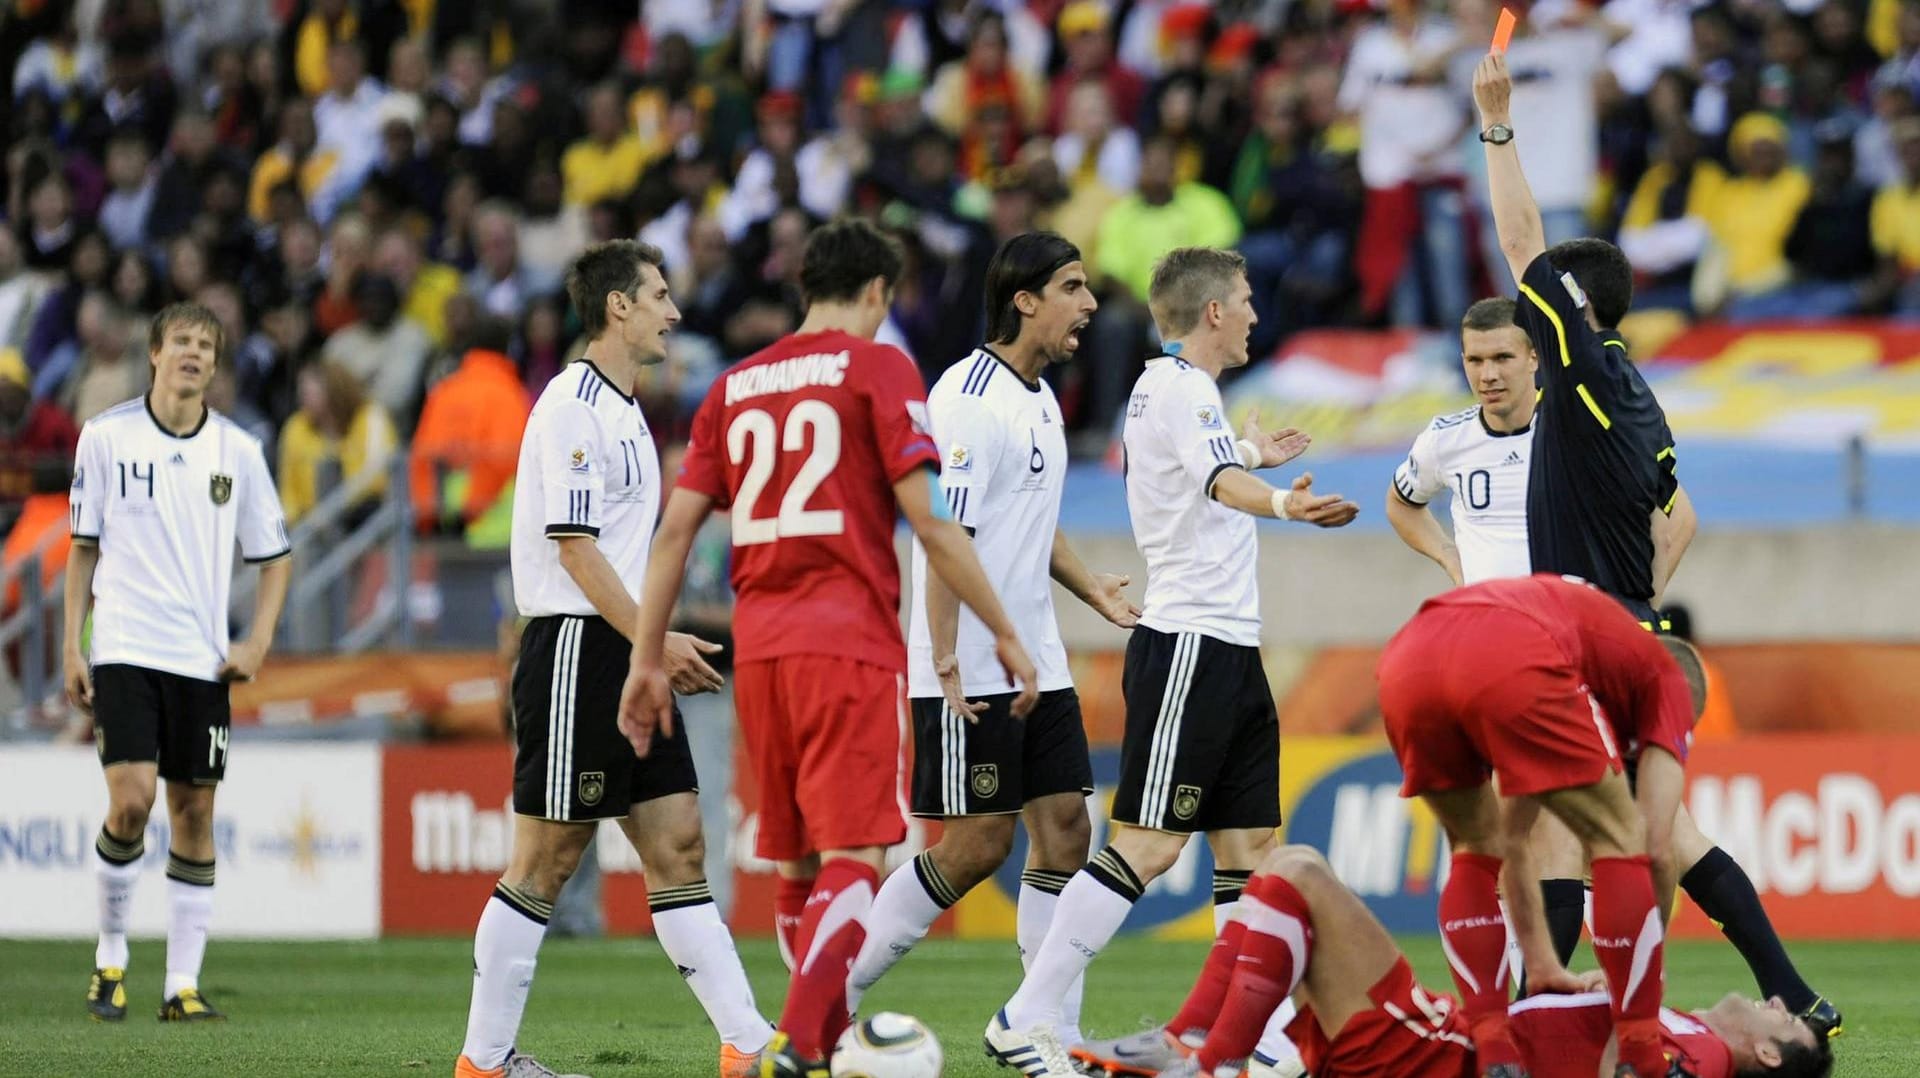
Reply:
x=379, y=198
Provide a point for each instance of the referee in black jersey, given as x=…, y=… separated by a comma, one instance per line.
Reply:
x=1604, y=501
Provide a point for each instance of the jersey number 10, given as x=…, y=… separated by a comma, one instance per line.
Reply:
x=750, y=439
x=1475, y=487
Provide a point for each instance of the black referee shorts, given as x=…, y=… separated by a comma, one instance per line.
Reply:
x=1201, y=750
x=572, y=762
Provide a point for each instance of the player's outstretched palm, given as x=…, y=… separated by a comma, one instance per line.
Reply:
x=1110, y=599
x=948, y=671
x=1020, y=671
x=1275, y=447
x=1322, y=510
x=646, y=708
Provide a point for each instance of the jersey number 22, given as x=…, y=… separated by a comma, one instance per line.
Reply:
x=750, y=439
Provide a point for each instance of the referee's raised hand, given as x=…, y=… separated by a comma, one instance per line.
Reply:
x=1493, y=89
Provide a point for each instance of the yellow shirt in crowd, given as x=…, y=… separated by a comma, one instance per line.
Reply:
x=1751, y=220
x=368, y=446
x=593, y=172
x=1896, y=224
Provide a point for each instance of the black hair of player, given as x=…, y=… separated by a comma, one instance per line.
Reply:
x=1024, y=263
x=1603, y=273
x=186, y=314
x=842, y=256
x=1692, y=668
x=613, y=266
x=1797, y=1060
x=1494, y=312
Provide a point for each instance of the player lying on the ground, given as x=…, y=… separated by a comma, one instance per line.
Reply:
x=1299, y=931
x=1577, y=689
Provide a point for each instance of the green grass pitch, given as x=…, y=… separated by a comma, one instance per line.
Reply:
x=616, y=1009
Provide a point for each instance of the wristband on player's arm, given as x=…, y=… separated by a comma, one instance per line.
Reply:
x=1249, y=454
x=1281, y=511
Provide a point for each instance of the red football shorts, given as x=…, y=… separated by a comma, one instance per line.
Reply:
x=1408, y=1032
x=823, y=733
x=1468, y=690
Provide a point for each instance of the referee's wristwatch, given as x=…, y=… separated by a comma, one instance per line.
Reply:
x=1497, y=134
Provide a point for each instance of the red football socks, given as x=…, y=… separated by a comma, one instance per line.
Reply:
x=789, y=906
x=1210, y=988
x=828, y=940
x=1473, y=933
x=1627, y=939
x=1274, y=952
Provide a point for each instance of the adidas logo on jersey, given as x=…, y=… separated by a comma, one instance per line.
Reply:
x=178, y=459
x=1512, y=457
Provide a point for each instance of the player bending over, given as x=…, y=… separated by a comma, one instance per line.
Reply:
x=1577, y=689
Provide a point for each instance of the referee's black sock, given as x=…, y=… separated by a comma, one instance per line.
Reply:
x=1565, y=904
x=1566, y=907
x=1720, y=887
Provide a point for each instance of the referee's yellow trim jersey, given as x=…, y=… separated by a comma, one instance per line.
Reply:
x=1603, y=457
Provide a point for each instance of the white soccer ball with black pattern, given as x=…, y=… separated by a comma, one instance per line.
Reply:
x=888, y=1045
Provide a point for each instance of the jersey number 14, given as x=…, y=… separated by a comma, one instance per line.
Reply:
x=750, y=440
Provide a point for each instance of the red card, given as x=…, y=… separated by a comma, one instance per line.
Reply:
x=1503, y=30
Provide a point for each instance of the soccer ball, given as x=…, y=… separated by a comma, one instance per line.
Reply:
x=888, y=1045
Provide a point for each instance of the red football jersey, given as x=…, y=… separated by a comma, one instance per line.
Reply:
x=1637, y=683
x=803, y=442
x=1565, y=1037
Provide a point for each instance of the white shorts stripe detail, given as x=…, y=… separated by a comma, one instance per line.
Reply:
x=947, y=738
x=560, y=717
x=1166, y=731
x=574, y=626
x=555, y=701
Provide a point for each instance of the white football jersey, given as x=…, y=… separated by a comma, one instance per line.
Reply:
x=1487, y=473
x=1200, y=554
x=1003, y=459
x=588, y=467
x=166, y=510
